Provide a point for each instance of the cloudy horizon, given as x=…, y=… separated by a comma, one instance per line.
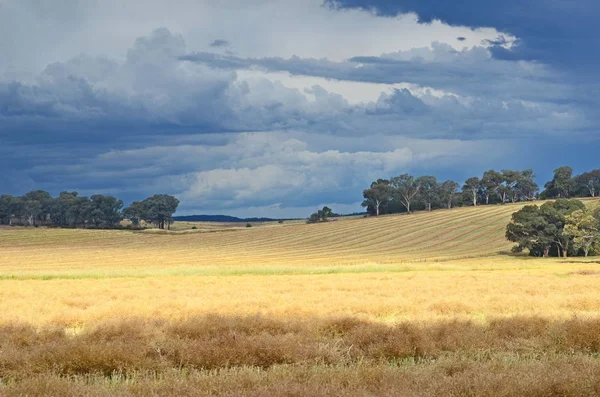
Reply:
x=273, y=108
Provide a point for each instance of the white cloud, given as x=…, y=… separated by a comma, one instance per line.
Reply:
x=287, y=168
x=34, y=33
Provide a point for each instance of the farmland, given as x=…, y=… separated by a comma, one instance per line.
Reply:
x=422, y=304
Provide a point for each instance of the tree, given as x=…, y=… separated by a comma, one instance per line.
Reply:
x=541, y=228
x=406, y=188
x=9, y=207
x=555, y=213
x=377, y=196
x=509, y=188
x=447, y=190
x=136, y=212
x=471, y=188
x=589, y=181
x=429, y=190
x=325, y=213
x=525, y=188
x=104, y=210
x=490, y=184
x=529, y=229
x=69, y=209
x=584, y=228
x=561, y=184
x=35, y=206
x=159, y=210
x=321, y=215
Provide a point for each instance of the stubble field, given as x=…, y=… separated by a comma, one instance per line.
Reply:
x=429, y=304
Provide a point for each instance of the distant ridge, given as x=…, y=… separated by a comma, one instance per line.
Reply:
x=221, y=218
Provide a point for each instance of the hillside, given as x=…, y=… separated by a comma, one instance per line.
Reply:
x=393, y=239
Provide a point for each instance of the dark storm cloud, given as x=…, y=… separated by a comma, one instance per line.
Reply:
x=558, y=32
x=158, y=117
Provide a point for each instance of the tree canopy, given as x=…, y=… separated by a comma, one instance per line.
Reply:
x=540, y=229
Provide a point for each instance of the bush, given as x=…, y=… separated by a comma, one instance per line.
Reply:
x=248, y=225
x=194, y=228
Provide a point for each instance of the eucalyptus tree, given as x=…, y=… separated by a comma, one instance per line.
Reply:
x=377, y=196
x=429, y=190
x=589, y=182
x=405, y=187
x=541, y=228
x=490, y=184
x=562, y=184
x=583, y=226
x=447, y=191
x=471, y=189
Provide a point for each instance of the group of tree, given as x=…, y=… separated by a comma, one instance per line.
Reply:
x=406, y=193
x=69, y=209
x=564, y=227
x=402, y=193
x=157, y=210
x=565, y=185
x=321, y=215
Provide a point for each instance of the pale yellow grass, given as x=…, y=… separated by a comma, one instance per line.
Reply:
x=424, y=266
x=440, y=235
x=415, y=295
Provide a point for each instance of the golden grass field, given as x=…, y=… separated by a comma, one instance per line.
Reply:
x=427, y=304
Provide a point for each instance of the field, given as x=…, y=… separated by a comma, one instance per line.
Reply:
x=427, y=304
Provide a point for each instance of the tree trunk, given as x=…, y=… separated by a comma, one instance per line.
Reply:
x=450, y=204
x=565, y=253
x=585, y=253
x=487, y=199
x=546, y=252
x=408, y=207
x=377, y=203
x=474, y=199
x=429, y=206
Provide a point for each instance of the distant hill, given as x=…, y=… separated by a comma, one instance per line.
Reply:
x=221, y=218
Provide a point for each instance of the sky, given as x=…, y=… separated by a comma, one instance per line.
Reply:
x=278, y=107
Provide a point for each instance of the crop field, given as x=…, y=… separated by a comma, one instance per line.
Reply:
x=427, y=304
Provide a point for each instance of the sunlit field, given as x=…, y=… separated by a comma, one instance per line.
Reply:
x=427, y=304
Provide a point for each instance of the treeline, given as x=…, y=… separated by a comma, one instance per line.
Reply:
x=406, y=193
x=69, y=209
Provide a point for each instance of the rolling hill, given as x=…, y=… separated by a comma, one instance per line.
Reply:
x=393, y=239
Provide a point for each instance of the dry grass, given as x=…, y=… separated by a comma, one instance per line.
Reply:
x=419, y=305
x=439, y=235
x=259, y=356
